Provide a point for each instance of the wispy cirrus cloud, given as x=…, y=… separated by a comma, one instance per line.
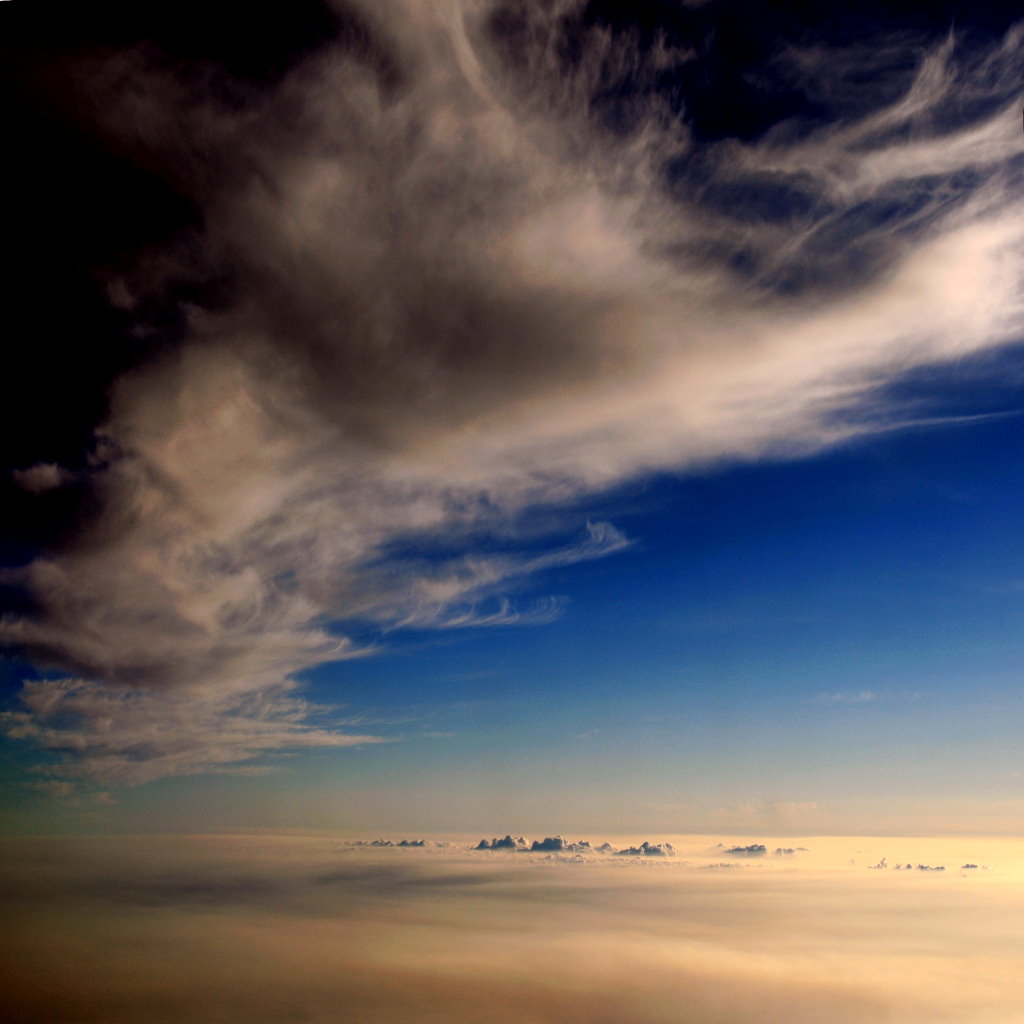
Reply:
x=827, y=697
x=120, y=736
x=848, y=697
x=459, y=289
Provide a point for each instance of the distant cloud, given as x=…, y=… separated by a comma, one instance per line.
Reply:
x=853, y=697
x=554, y=844
x=416, y=843
x=44, y=476
x=646, y=849
x=508, y=843
x=550, y=844
x=856, y=697
x=559, y=845
x=754, y=850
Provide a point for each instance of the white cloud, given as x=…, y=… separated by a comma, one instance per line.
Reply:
x=851, y=697
x=457, y=299
x=119, y=736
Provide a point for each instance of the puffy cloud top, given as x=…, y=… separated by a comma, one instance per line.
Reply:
x=753, y=850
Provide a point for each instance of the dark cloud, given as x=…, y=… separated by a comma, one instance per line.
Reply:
x=390, y=842
x=550, y=844
x=556, y=844
x=508, y=843
x=646, y=849
x=559, y=845
x=753, y=850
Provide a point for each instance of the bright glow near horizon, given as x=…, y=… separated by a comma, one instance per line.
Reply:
x=271, y=928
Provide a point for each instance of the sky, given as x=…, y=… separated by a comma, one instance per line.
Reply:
x=521, y=415
x=509, y=509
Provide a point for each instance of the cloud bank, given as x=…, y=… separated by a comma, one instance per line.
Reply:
x=270, y=927
x=461, y=262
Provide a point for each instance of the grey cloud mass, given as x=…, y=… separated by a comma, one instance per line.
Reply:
x=452, y=289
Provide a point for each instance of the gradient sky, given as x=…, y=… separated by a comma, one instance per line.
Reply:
x=514, y=416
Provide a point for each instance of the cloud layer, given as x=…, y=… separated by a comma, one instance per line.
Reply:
x=265, y=928
x=473, y=260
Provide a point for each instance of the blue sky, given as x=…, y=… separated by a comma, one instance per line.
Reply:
x=514, y=417
x=831, y=628
x=837, y=629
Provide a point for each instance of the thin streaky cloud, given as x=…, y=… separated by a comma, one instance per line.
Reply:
x=456, y=296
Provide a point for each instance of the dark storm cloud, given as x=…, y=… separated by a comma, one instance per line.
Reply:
x=405, y=273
